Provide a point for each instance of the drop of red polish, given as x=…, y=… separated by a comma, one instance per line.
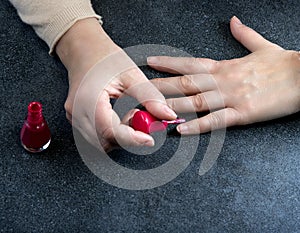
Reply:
x=35, y=133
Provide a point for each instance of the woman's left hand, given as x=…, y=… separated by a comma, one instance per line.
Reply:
x=261, y=86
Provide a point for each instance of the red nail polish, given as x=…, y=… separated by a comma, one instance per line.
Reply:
x=145, y=122
x=35, y=134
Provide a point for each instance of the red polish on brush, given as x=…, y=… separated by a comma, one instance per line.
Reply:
x=35, y=134
x=145, y=122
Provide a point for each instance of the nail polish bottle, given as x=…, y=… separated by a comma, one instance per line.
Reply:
x=145, y=122
x=35, y=134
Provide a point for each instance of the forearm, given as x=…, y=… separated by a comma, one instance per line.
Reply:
x=52, y=18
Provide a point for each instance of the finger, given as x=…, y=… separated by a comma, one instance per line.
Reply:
x=210, y=100
x=127, y=136
x=182, y=65
x=139, y=87
x=248, y=37
x=187, y=84
x=110, y=128
x=123, y=135
x=121, y=73
x=216, y=120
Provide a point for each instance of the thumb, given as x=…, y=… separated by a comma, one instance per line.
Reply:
x=248, y=37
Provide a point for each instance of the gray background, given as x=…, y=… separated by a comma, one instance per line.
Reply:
x=253, y=187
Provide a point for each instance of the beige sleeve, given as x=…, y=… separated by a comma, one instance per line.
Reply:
x=52, y=18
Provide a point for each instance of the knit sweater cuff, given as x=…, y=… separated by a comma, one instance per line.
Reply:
x=64, y=20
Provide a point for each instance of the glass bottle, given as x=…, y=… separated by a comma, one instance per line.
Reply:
x=35, y=134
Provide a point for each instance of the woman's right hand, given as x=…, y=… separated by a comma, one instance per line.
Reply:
x=84, y=45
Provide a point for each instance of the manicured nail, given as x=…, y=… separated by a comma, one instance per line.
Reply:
x=170, y=112
x=237, y=21
x=182, y=129
x=152, y=60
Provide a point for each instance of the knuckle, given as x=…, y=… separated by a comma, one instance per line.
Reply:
x=191, y=63
x=186, y=82
x=171, y=103
x=214, y=67
x=244, y=119
x=233, y=117
x=249, y=110
x=107, y=134
x=68, y=107
x=198, y=102
x=209, y=65
x=216, y=121
x=199, y=126
x=234, y=74
x=196, y=60
x=157, y=82
x=295, y=57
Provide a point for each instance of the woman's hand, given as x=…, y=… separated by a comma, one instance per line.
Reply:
x=81, y=48
x=261, y=86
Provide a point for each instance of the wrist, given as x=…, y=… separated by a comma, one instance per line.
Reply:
x=84, y=44
x=297, y=75
x=297, y=58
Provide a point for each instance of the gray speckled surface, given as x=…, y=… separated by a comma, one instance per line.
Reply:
x=253, y=187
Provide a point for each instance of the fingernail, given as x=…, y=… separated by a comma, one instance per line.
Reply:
x=170, y=112
x=149, y=143
x=144, y=139
x=237, y=21
x=182, y=129
x=152, y=60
